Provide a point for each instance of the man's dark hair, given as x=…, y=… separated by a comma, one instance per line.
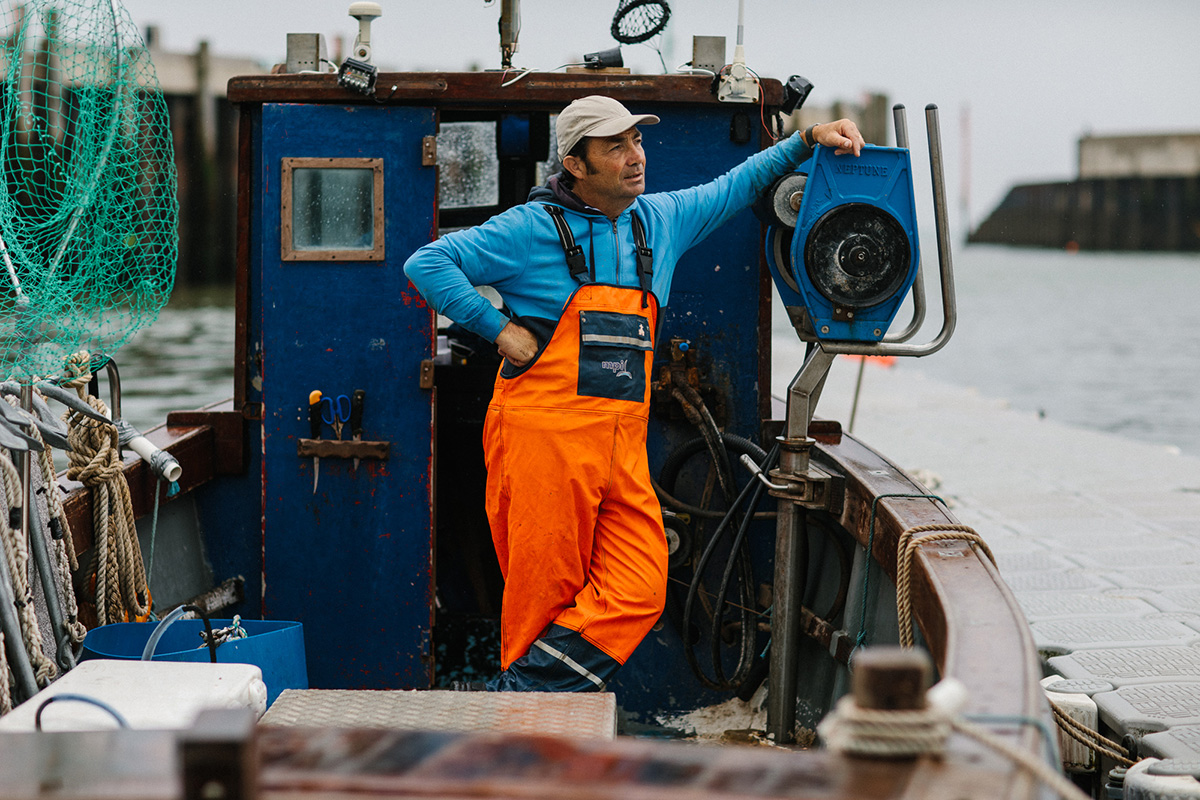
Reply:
x=566, y=179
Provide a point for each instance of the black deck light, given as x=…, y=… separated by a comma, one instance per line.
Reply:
x=358, y=76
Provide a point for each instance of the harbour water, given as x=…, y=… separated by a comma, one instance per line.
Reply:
x=1096, y=340
x=1100, y=341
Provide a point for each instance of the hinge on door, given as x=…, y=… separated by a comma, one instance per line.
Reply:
x=426, y=380
x=429, y=151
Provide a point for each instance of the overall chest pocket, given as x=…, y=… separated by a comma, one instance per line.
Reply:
x=612, y=355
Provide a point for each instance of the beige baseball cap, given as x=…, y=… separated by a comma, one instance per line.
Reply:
x=595, y=115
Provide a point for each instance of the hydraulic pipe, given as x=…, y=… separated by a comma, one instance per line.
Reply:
x=900, y=118
x=162, y=463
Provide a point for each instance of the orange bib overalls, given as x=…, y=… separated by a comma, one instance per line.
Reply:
x=577, y=527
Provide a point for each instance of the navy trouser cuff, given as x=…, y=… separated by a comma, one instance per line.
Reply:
x=560, y=660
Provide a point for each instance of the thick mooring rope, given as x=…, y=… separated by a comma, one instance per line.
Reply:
x=121, y=589
x=1089, y=738
x=906, y=548
x=16, y=551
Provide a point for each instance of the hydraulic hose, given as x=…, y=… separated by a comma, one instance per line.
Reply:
x=739, y=561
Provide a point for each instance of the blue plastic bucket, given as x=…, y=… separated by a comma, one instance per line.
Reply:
x=277, y=648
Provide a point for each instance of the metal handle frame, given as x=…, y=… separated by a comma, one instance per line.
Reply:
x=900, y=118
x=805, y=389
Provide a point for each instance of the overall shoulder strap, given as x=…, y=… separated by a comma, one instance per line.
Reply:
x=645, y=257
x=576, y=261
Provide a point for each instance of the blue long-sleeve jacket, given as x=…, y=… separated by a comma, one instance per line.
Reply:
x=518, y=252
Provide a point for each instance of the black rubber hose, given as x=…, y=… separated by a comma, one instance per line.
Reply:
x=737, y=554
x=739, y=561
x=669, y=474
x=694, y=588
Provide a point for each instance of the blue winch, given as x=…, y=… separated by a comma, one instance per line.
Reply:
x=853, y=254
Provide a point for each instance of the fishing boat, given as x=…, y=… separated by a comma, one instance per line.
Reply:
x=367, y=526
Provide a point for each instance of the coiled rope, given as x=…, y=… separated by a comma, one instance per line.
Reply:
x=121, y=589
x=62, y=548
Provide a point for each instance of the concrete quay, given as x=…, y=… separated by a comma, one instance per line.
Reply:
x=1098, y=536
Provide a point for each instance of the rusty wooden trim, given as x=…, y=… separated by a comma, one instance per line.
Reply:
x=475, y=88
x=975, y=627
x=193, y=447
x=288, y=251
x=340, y=448
x=229, y=431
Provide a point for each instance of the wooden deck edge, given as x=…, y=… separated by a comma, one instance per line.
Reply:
x=963, y=607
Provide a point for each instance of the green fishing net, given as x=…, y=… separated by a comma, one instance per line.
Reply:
x=88, y=212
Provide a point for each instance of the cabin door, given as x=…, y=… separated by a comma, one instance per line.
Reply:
x=347, y=549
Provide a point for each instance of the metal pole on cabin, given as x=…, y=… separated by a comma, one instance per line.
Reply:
x=790, y=563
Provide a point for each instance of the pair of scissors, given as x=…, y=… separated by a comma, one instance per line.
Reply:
x=335, y=412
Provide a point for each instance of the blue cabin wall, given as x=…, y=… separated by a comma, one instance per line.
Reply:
x=354, y=561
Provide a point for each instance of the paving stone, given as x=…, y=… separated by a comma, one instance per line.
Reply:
x=1056, y=581
x=1180, y=741
x=1146, y=708
x=1034, y=561
x=1087, y=686
x=1123, y=666
x=1128, y=557
x=1159, y=578
x=1176, y=599
x=1050, y=605
x=1067, y=635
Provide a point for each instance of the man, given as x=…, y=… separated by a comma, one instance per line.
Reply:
x=583, y=268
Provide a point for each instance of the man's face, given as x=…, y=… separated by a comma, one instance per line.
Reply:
x=615, y=172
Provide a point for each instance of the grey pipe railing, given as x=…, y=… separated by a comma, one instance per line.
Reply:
x=900, y=118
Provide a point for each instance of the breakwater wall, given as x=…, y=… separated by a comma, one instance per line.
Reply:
x=1116, y=213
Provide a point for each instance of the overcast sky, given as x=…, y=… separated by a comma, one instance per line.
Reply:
x=1035, y=74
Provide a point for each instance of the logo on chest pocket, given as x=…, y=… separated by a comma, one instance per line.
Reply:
x=612, y=355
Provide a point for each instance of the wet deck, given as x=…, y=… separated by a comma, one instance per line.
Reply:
x=1098, y=537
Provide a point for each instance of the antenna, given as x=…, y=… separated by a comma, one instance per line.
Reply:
x=364, y=13
x=738, y=85
x=510, y=30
